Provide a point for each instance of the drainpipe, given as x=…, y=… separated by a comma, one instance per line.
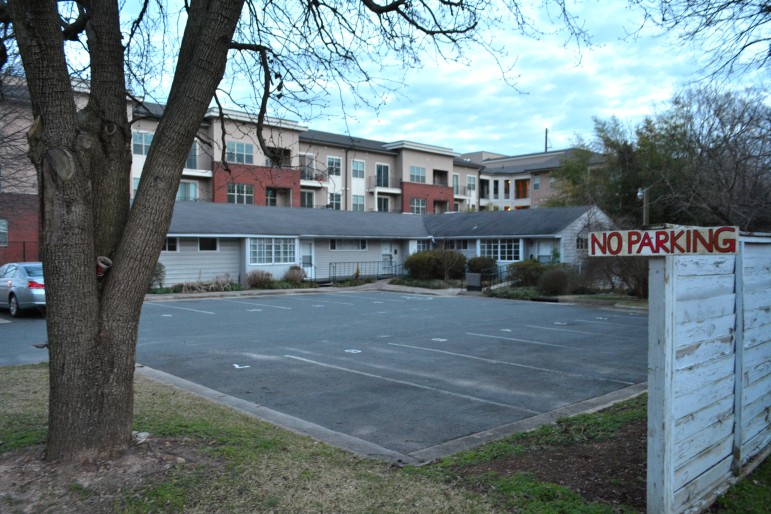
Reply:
x=345, y=181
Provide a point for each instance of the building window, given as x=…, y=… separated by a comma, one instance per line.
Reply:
x=506, y=189
x=3, y=232
x=471, y=183
x=333, y=166
x=455, y=185
x=278, y=158
x=307, y=166
x=460, y=244
x=500, y=249
x=271, y=250
x=306, y=199
x=348, y=244
x=582, y=243
x=418, y=206
x=241, y=153
x=358, y=203
x=241, y=193
x=141, y=142
x=424, y=245
x=169, y=245
x=192, y=158
x=417, y=174
x=207, y=244
x=357, y=169
x=522, y=187
x=271, y=197
x=382, y=204
x=536, y=183
x=335, y=201
x=135, y=183
x=187, y=191
x=382, y=172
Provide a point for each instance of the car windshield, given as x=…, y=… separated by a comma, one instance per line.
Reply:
x=34, y=271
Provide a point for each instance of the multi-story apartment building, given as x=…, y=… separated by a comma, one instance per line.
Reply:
x=516, y=182
x=310, y=168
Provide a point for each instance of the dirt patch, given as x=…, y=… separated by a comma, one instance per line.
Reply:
x=610, y=471
x=30, y=484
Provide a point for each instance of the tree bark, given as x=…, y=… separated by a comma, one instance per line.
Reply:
x=83, y=160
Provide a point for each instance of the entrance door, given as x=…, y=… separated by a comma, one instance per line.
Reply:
x=387, y=264
x=306, y=257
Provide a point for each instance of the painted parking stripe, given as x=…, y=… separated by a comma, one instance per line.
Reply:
x=412, y=384
x=514, y=364
x=163, y=304
x=618, y=336
x=358, y=295
x=318, y=299
x=526, y=341
x=253, y=304
x=604, y=321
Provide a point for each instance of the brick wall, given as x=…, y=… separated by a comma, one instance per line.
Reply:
x=21, y=213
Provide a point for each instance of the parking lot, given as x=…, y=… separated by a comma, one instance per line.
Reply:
x=401, y=376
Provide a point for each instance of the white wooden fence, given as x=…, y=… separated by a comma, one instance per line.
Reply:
x=709, y=376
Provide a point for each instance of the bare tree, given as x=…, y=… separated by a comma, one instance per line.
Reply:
x=735, y=36
x=291, y=52
x=17, y=175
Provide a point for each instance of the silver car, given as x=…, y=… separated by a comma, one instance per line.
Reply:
x=22, y=287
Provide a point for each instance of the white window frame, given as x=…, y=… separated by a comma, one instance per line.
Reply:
x=357, y=203
x=192, y=157
x=216, y=244
x=471, y=183
x=4, y=232
x=272, y=250
x=239, y=152
x=536, y=183
x=186, y=184
x=241, y=193
x=348, y=245
x=334, y=165
x=144, y=144
x=356, y=171
x=170, y=244
x=418, y=174
x=307, y=194
x=418, y=206
x=385, y=167
x=336, y=201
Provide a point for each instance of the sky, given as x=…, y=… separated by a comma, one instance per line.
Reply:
x=557, y=89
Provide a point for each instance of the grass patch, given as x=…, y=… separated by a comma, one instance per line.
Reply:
x=750, y=496
x=513, y=293
x=427, y=283
x=353, y=282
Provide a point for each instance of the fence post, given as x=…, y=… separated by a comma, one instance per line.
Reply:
x=736, y=465
x=661, y=369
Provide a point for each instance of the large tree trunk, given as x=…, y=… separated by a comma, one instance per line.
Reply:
x=83, y=160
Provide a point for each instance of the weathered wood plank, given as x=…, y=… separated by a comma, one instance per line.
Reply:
x=757, y=317
x=755, y=390
x=704, y=351
x=702, y=397
x=703, y=376
x=760, y=299
x=760, y=406
x=755, y=445
x=700, y=309
x=703, y=461
x=695, y=495
x=720, y=411
x=704, y=265
x=689, y=333
x=757, y=364
x=699, y=442
x=756, y=336
x=756, y=425
x=757, y=280
x=699, y=287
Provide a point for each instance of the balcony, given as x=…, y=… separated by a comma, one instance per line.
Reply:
x=389, y=185
x=312, y=178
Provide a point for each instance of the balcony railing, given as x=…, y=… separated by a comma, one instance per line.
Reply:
x=311, y=174
x=373, y=269
x=386, y=182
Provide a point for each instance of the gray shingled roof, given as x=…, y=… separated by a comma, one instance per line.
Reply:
x=531, y=162
x=344, y=140
x=516, y=223
x=222, y=219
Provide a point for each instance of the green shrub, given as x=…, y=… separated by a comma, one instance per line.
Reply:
x=451, y=263
x=259, y=279
x=553, y=282
x=422, y=265
x=217, y=284
x=526, y=273
x=158, y=276
x=294, y=274
x=487, y=266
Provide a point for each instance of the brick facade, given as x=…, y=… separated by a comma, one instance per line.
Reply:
x=261, y=178
x=430, y=192
x=20, y=211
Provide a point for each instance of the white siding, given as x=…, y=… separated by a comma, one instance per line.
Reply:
x=187, y=264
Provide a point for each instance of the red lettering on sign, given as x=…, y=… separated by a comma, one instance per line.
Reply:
x=673, y=242
x=646, y=241
x=597, y=247
x=619, y=242
x=662, y=236
x=726, y=244
x=698, y=237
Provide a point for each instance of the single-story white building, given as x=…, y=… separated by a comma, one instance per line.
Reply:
x=208, y=240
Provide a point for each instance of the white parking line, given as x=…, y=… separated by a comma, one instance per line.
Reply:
x=255, y=304
x=507, y=363
x=358, y=295
x=521, y=340
x=579, y=332
x=604, y=321
x=316, y=299
x=163, y=304
x=412, y=384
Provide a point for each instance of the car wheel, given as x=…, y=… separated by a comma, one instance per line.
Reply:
x=13, y=306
